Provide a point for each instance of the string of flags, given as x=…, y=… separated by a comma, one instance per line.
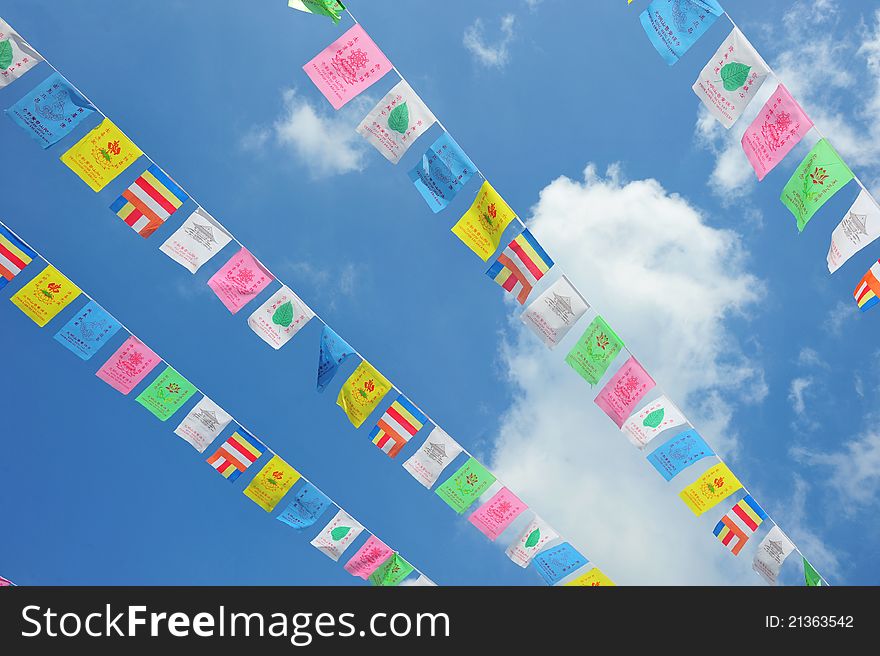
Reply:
x=726, y=85
x=343, y=70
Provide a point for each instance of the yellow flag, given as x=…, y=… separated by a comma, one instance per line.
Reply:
x=272, y=483
x=594, y=577
x=362, y=392
x=101, y=155
x=483, y=224
x=715, y=485
x=46, y=295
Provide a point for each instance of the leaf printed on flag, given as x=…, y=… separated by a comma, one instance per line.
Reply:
x=533, y=539
x=16, y=55
x=656, y=417
x=281, y=317
x=394, y=124
x=337, y=535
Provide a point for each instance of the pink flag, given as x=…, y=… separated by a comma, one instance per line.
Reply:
x=347, y=66
x=128, y=366
x=239, y=281
x=497, y=513
x=775, y=131
x=5, y=583
x=368, y=558
x=625, y=389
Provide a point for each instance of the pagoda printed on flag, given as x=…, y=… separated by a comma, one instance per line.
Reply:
x=362, y=392
x=333, y=352
x=306, y=507
x=101, y=155
x=128, y=366
x=271, y=483
x=729, y=82
x=337, y=535
x=520, y=266
x=494, y=516
x=43, y=297
x=50, y=111
x=624, y=390
x=280, y=318
x=857, y=229
x=461, y=490
x=867, y=293
x=595, y=351
x=239, y=281
x=739, y=524
x=149, y=201
x=367, y=559
x=88, y=330
x=203, y=424
x=236, y=454
x=401, y=421
x=442, y=173
x=777, y=129
x=347, y=67
x=396, y=122
x=819, y=176
x=555, y=311
x=481, y=227
x=679, y=453
x=435, y=454
x=712, y=487
x=673, y=26
x=391, y=572
x=165, y=395
x=15, y=255
x=195, y=242
x=330, y=8
x=772, y=552
x=16, y=55
x=555, y=563
x=532, y=540
x=594, y=578
x=651, y=420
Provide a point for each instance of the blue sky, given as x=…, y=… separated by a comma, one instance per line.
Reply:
x=604, y=151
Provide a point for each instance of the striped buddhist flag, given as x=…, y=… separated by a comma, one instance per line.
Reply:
x=235, y=455
x=522, y=263
x=14, y=256
x=401, y=421
x=149, y=201
x=867, y=294
x=737, y=526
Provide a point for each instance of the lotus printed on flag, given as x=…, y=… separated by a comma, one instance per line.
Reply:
x=392, y=572
x=88, y=330
x=149, y=201
x=128, y=366
x=337, y=535
x=195, y=242
x=236, y=454
x=15, y=255
x=739, y=524
x=555, y=311
x=101, y=155
x=595, y=351
x=401, y=421
x=520, y=266
x=821, y=175
x=16, y=55
x=271, y=483
x=45, y=296
x=465, y=486
x=362, y=392
x=394, y=124
x=867, y=293
x=50, y=111
x=165, y=395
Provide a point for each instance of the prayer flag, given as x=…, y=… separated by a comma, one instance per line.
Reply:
x=461, y=490
x=15, y=255
x=679, y=453
x=437, y=451
x=396, y=122
x=775, y=131
x=239, y=281
x=88, y=330
x=362, y=392
x=203, y=424
x=306, y=508
x=101, y=155
x=280, y=318
x=337, y=535
x=128, y=366
x=532, y=540
x=555, y=563
x=236, y=454
x=391, y=572
x=818, y=177
x=271, y=483
x=867, y=292
x=45, y=296
x=594, y=577
x=555, y=311
x=367, y=559
x=195, y=242
x=713, y=486
x=50, y=111
x=521, y=265
x=652, y=420
x=494, y=516
x=772, y=552
x=165, y=395
x=673, y=26
x=401, y=421
x=481, y=227
x=859, y=227
x=739, y=524
x=595, y=351
x=16, y=55
x=624, y=390
x=149, y=201
x=333, y=352
x=811, y=576
x=330, y=8
x=442, y=173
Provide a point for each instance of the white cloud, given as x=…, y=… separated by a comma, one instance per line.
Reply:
x=323, y=141
x=839, y=315
x=331, y=284
x=810, y=358
x=669, y=283
x=797, y=396
x=799, y=521
x=495, y=54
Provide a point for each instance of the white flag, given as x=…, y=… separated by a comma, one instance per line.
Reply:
x=532, y=540
x=195, y=242
x=859, y=227
x=646, y=424
x=339, y=533
x=437, y=451
x=731, y=79
x=553, y=313
x=203, y=424
x=396, y=122
x=772, y=551
x=16, y=55
x=280, y=318
x=421, y=582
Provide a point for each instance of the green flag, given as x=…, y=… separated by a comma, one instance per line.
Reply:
x=391, y=572
x=594, y=351
x=164, y=396
x=821, y=175
x=811, y=575
x=465, y=486
x=330, y=8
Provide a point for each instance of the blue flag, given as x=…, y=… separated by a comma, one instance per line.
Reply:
x=679, y=453
x=51, y=110
x=443, y=171
x=308, y=504
x=673, y=26
x=334, y=351
x=555, y=563
x=88, y=330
